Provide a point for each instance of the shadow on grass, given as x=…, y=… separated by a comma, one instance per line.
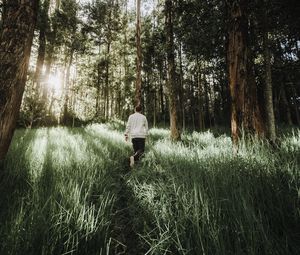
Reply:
x=17, y=192
x=129, y=217
x=14, y=175
x=233, y=207
x=31, y=207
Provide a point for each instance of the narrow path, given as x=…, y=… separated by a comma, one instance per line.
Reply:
x=127, y=217
x=125, y=224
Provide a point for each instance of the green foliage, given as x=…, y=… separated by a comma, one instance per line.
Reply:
x=67, y=191
x=100, y=36
x=33, y=112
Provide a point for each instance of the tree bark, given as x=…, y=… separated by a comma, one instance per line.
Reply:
x=45, y=88
x=171, y=82
x=207, y=104
x=43, y=23
x=161, y=94
x=253, y=121
x=98, y=89
x=138, y=85
x=296, y=105
x=106, y=94
x=181, y=95
x=286, y=104
x=237, y=63
x=155, y=107
x=200, y=96
x=15, y=46
x=40, y=59
x=268, y=93
x=67, y=88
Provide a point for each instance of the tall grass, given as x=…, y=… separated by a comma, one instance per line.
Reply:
x=57, y=191
x=203, y=199
x=66, y=191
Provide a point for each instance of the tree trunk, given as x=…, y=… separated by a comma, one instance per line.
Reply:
x=253, y=121
x=207, y=103
x=155, y=107
x=268, y=93
x=67, y=89
x=138, y=85
x=286, y=104
x=40, y=59
x=161, y=94
x=42, y=43
x=181, y=109
x=15, y=46
x=237, y=63
x=171, y=82
x=106, y=94
x=98, y=90
x=200, y=98
x=296, y=104
x=47, y=75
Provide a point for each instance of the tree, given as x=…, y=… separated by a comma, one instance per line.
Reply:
x=43, y=27
x=237, y=63
x=138, y=85
x=16, y=40
x=268, y=93
x=69, y=25
x=171, y=83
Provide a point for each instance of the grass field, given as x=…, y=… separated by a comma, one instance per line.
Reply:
x=69, y=191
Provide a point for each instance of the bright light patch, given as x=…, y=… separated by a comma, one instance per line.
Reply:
x=36, y=151
x=55, y=82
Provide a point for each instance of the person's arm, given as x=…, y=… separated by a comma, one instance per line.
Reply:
x=127, y=130
x=146, y=127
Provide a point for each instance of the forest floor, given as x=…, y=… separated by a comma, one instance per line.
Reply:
x=70, y=191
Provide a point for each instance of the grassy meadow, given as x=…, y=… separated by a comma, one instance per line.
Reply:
x=70, y=191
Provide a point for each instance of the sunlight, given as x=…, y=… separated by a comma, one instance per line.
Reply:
x=101, y=130
x=55, y=81
x=68, y=148
x=37, y=151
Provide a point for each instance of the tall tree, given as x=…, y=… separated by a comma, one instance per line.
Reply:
x=253, y=121
x=138, y=85
x=171, y=82
x=237, y=62
x=268, y=93
x=69, y=16
x=43, y=26
x=16, y=40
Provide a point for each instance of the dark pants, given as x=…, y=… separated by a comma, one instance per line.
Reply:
x=138, y=147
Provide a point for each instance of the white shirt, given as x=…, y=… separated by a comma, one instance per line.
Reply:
x=137, y=126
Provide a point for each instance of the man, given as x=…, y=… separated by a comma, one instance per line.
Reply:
x=137, y=129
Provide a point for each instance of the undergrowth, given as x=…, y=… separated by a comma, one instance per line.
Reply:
x=69, y=191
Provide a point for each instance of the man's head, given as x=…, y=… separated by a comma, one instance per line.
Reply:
x=138, y=108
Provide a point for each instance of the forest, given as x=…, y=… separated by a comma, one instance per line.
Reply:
x=219, y=84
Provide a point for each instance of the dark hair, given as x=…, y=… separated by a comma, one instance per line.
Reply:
x=138, y=108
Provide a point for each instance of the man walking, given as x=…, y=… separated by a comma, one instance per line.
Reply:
x=137, y=129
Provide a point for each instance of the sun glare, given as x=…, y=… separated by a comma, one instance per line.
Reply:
x=55, y=82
